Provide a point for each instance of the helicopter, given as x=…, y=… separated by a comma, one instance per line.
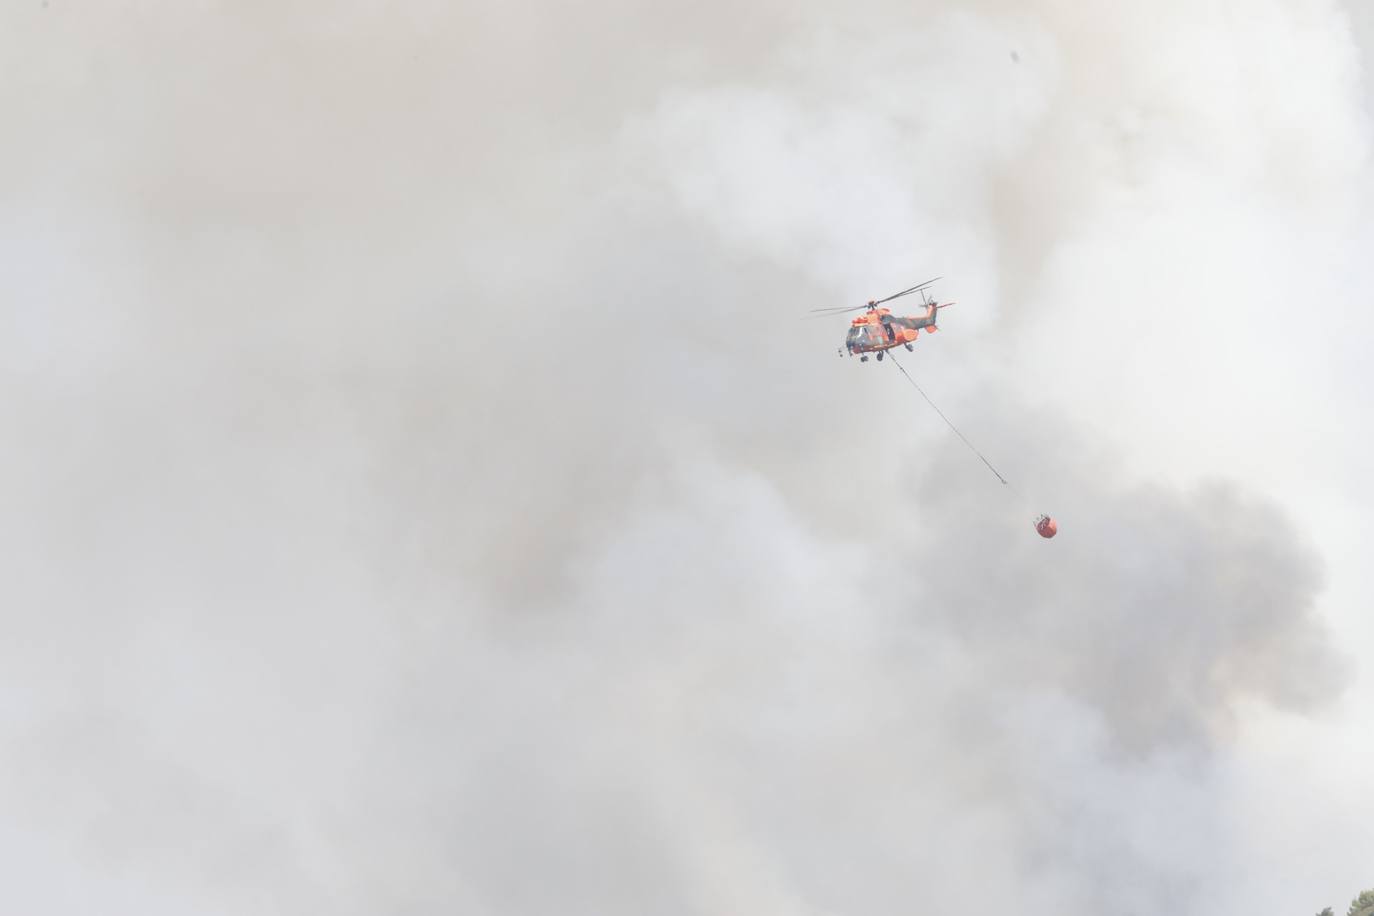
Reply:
x=878, y=330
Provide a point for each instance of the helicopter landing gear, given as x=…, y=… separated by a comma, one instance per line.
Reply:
x=880, y=356
x=910, y=348
x=863, y=359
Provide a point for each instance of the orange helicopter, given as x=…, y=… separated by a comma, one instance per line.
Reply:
x=878, y=330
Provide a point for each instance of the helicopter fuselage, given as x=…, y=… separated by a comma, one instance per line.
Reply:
x=878, y=329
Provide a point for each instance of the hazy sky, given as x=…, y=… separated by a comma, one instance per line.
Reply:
x=422, y=497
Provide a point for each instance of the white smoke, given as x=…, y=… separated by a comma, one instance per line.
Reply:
x=423, y=495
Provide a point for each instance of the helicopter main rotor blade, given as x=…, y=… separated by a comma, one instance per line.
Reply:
x=841, y=308
x=907, y=292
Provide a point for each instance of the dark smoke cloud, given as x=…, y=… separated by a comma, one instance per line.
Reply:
x=422, y=498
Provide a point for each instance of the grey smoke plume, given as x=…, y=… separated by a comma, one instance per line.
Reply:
x=422, y=498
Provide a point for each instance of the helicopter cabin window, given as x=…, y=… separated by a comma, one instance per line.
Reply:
x=855, y=337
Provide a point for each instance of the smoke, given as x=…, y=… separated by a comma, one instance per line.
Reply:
x=422, y=496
